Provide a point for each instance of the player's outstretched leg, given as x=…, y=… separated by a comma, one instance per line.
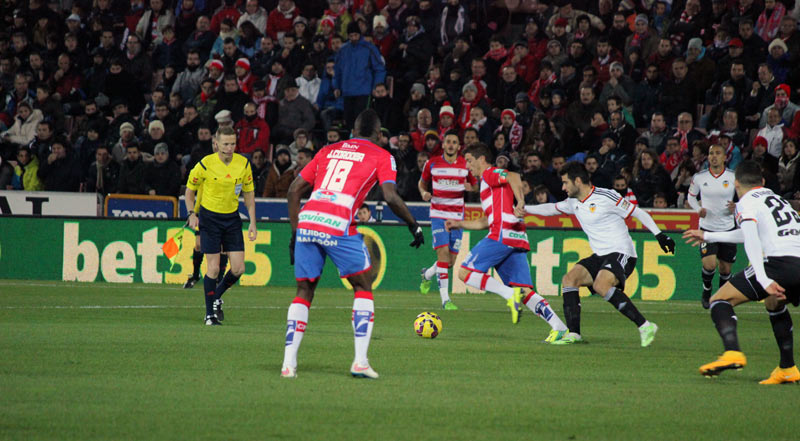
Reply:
x=485, y=282
x=426, y=276
x=725, y=320
x=786, y=372
x=708, y=278
x=541, y=308
x=363, y=321
x=296, y=321
x=647, y=330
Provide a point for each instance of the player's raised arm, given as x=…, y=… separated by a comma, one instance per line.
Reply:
x=541, y=210
x=666, y=242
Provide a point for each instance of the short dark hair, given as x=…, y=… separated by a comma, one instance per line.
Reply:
x=306, y=151
x=480, y=149
x=367, y=124
x=574, y=170
x=450, y=132
x=748, y=173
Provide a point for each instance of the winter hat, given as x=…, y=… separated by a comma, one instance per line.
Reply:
x=126, y=126
x=327, y=20
x=300, y=19
x=760, y=140
x=161, y=147
x=561, y=22
x=736, y=42
x=223, y=116
x=216, y=64
x=785, y=88
x=469, y=86
x=244, y=63
x=521, y=97
x=778, y=42
x=418, y=87
x=642, y=140
x=431, y=134
x=379, y=20
x=447, y=109
x=509, y=112
x=642, y=17
x=352, y=28
x=610, y=135
x=695, y=43
x=74, y=17
x=156, y=124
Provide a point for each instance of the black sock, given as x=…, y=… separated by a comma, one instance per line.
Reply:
x=209, y=285
x=624, y=305
x=708, y=277
x=723, y=279
x=227, y=281
x=197, y=260
x=725, y=321
x=782, y=328
x=572, y=309
x=223, y=263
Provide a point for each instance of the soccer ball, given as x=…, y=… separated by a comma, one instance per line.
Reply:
x=428, y=325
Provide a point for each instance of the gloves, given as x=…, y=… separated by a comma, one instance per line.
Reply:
x=419, y=239
x=291, y=247
x=666, y=243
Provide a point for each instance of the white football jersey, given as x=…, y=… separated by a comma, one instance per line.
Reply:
x=602, y=216
x=714, y=192
x=778, y=224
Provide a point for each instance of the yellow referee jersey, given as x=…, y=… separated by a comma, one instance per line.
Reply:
x=221, y=184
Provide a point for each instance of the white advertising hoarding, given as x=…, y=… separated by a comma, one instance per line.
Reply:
x=47, y=203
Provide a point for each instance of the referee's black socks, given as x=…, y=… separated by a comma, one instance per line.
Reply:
x=572, y=309
x=197, y=260
x=227, y=281
x=624, y=305
x=782, y=328
x=209, y=287
x=725, y=321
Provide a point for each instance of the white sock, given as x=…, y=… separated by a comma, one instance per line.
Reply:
x=541, y=307
x=296, y=321
x=486, y=282
x=430, y=272
x=444, y=281
x=363, y=320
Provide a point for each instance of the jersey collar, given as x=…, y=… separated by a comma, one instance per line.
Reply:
x=716, y=176
x=587, y=196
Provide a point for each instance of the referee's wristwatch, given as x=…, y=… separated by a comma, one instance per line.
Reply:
x=191, y=213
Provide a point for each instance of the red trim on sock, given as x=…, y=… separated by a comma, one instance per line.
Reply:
x=443, y=276
x=301, y=326
x=312, y=280
x=484, y=279
x=210, y=293
x=442, y=264
x=440, y=246
x=363, y=295
x=302, y=301
x=528, y=297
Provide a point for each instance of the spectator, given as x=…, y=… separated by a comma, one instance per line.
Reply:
x=261, y=168
x=281, y=19
x=138, y=64
x=309, y=83
x=228, y=11
x=302, y=142
x=686, y=133
x=413, y=52
x=202, y=38
x=605, y=57
x=769, y=20
x=50, y=106
x=131, y=175
x=778, y=60
x=42, y=144
x=154, y=136
x=103, y=174
x=580, y=113
x=649, y=178
x=295, y=112
x=660, y=200
x=188, y=82
x=773, y=132
x=610, y=157
x=280, y=176
x=364, y=215
x=597, y=177
x=162, y=176
x=621, y=187
x=24, y=129
x=231, y=98
x=26, y=172
x=787, y=166
x=701, y=68
x=60, y=171
x=673, y=156
x=674, y=98
x=786, y=108
x=253, y=133
x=255, y=14
x=359, y=67
x=643, y=37
x=663, y=58
x=387, y=108
x=127, y=137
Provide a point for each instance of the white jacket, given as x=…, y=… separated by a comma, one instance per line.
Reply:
x=309, y=89
x=774, y=137
x=23, y=132
x=259, y=19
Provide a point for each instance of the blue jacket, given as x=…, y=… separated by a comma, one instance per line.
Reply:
x=325, y=98
x=358, y=69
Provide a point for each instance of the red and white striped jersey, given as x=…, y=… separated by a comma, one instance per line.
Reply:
x=448, y=186
x=497, y=201
x=342, y=174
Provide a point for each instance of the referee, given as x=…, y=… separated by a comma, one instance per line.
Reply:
x=223, y=176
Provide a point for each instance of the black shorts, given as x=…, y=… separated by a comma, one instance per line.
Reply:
x=784, y=270
x=220, y=230
x=724, y=251
x=621, y=265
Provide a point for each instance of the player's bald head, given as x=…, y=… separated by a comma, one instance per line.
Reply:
x=367, y=125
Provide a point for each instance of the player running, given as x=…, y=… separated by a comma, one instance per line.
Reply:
x=601, y=213
x=222, y=176
x=770, y=230
x=448, y=178
x=341, y=175
x=715, y=188
x=506, y=246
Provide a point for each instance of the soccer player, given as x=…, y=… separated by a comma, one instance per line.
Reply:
x=506, y=246
x=448, y=178
x=770, y=230
x=341, y=175
x=715, y=188
x=601, y=213
x=222, y=176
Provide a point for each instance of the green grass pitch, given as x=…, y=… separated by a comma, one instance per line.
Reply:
x=112, y=362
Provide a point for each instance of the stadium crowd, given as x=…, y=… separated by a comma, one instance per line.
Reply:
x=123, y=97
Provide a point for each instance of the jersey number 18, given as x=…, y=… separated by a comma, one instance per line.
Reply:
x=336, y=174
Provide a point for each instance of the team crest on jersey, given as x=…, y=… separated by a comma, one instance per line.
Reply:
x=592, y=207
x=725, y=184
x=325, y=195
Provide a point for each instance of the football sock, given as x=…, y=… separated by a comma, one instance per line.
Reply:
x=725, y=321
x=223, y=262
x=296, y=321
x=209, y=285
x=708, y=276
x=572, y=308
x=723, y=279
x=541, y=307
x=197, y=260
x=227, y=281
x=430, y=272
x=485, y=282
x=624, y=305
x=782, y=328
x=444, y=281
x=363, y=320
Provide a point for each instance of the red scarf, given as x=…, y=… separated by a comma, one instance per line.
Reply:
x=496, y=54
x=466, y=108
x=538, y=86
x=678, y=37
x=684, y=139
x=767, y=27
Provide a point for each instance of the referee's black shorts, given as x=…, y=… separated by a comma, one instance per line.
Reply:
x=219, y=229
x=783, y=269
x=621, y=265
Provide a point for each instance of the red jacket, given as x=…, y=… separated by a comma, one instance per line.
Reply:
x=527, y=68
x=224, y=12
x=253, y=135
x=277, y=21
x=604, y=70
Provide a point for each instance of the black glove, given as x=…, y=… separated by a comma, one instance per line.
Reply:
x=666, y=243
x=292, y=241
x=419, y=239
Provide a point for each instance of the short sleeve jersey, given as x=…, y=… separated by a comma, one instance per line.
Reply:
x=602, y=216
x=448, y=186
x=778, y=224
x=715, y=191
x=342, y=174
x=220, y=183
x=497, y=202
